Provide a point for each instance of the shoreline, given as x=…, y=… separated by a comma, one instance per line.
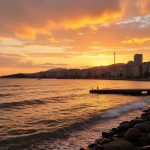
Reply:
x=144, y=80
x=129, y=135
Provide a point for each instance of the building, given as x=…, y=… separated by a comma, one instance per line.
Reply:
x=138, y=59
x=146, y=69
x=130, y=65
x=135, y=68
x=138, y=66
x=137, y=71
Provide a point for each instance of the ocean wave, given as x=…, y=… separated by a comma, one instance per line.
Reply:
x=45, y=122
x=65, y=130
x=9, y=85
x=21, y=103
x=22, y=132
x=116, y=112
x=5, y=95
x=63, y=99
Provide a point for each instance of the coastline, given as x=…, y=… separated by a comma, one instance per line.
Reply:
x=146, y=80
x=129, y=135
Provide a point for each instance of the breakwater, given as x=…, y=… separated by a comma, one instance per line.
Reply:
x=129, y=135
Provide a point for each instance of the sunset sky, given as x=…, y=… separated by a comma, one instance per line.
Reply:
x=38, y=35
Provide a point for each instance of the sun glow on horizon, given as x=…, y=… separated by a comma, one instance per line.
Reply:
x=71, y=34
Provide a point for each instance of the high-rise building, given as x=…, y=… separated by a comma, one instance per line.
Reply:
x=130, y=66
x=138, y=59
x=138, y=67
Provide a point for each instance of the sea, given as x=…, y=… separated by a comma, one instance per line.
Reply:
x=61, y=114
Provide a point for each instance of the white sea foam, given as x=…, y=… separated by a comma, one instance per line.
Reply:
x=116, y=112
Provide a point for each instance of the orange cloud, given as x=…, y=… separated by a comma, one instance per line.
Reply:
x=144, y=6
x=105, y=19
x=24, y=31
x=70, y=31
x=136, y=40
x=26, y=19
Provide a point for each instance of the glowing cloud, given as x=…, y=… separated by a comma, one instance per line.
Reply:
x=25, y=19
x=48, y=33
x=137, y=40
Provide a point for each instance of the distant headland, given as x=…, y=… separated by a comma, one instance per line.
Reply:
x=133, y=70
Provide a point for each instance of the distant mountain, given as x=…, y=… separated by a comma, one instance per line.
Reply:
x=117, y=71
x=19, y=75
x=135, y=70
x=61, y=73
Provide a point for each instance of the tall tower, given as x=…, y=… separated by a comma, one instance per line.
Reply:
x=114, y=58
x=138, y=59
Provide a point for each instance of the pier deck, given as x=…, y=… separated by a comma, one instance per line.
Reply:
x=121, y=91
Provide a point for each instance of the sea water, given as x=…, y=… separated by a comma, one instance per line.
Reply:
x=61, y=114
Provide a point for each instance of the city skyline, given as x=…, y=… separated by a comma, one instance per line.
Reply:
x=45, y=34
x=135, y=69
x=136, y=59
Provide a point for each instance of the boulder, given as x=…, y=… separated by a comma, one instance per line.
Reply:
x=120, y=131
x=125, y=125
x=92, y=145
x=148, y=122
x=144, y=141
x=135, y=121
x=104, y=141
x=119, y=145
x=148, y=135
x=143, y=127
x=145, y=148
x=146, y=117
x=107, y=134
x=132, y=134
x=99, y=147
x=82, y=149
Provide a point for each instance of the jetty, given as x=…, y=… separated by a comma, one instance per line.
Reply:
x=137, y=92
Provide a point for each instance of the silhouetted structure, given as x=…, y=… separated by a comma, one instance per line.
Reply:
x=135, y=69
x=138, y=59
x=132, y=70
x=114, y=58
x=121, y=91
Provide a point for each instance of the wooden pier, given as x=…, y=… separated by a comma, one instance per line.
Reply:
x=137, y=92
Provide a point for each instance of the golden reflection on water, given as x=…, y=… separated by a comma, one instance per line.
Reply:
x=46, y=105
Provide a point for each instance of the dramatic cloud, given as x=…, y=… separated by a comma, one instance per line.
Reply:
x=51, y=33
x=24, y=19
x=14, y=60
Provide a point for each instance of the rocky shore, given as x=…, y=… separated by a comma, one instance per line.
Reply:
x=129, y=135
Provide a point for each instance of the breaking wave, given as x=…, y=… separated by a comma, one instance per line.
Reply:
x=116, y=112
x=65, y=130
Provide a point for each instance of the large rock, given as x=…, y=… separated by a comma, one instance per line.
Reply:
x=132, y=134
x=148, y=135
x=135, y=121
x=104, y=141
x=92, y=145
x=148, y=122
x=107, y=134
x=146, y=117
x=143, y=127
x=125, y=125
x=119, y=145
x=144, y=141
x=82, y=149
x=99, y=147
x=145, y=148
